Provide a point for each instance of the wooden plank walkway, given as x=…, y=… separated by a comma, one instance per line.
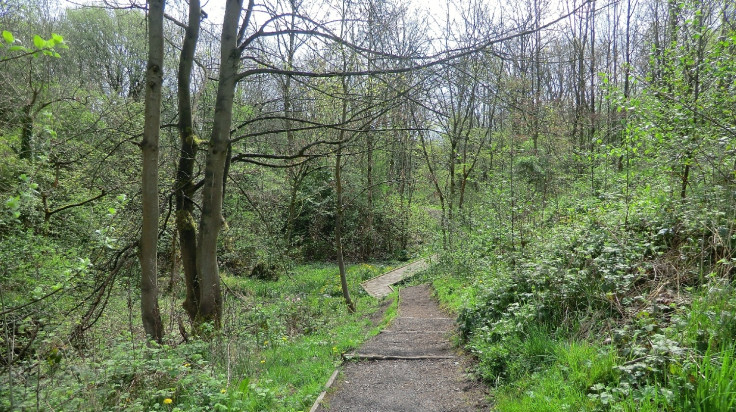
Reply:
x=380, y=286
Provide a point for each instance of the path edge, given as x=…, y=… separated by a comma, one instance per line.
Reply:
x=324, y=392
x=331, y=381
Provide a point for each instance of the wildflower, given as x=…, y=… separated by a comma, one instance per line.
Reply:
x=186, y=365
x=334, y=349
x=265, y=343
x=263, y=361
x=168, y=401
x=284, y=338
x=223, y=390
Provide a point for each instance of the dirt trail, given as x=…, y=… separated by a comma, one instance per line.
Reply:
x=410, y=366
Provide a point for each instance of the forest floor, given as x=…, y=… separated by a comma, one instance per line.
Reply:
x=409, y=366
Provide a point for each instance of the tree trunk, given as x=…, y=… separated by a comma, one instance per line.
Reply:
x=26, y=138
x=184, y=175
x=26, y=145
x=210, y=299
x=296, y=174
x=338, y=191
x=149, y=234
x=338, y=229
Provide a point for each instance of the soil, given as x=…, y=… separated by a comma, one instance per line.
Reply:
x=410, y=366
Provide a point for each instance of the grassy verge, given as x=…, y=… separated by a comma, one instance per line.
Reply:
x=279, y=344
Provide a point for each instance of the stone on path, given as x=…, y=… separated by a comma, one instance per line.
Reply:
x=422, y=373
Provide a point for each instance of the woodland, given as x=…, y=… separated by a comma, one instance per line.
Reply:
x=191, y=193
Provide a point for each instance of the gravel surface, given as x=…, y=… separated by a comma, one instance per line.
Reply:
x=438, y=383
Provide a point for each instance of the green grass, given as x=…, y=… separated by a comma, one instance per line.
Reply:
x=304, y=330
x=561, y=380
x=279, y=344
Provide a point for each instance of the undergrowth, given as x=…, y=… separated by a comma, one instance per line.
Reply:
x=279, y=344
x=607, y=306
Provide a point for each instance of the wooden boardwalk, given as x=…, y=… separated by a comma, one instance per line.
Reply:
x=380, y=286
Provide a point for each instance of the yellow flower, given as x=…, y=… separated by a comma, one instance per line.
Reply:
x=186, y=365
x=263, y=361
x=167, y=401
x=223, y=390
x=284, y=338
x=265, y=343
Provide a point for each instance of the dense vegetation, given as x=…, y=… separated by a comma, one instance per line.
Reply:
x=573, y=164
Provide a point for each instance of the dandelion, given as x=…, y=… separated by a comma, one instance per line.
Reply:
x=263, y=361
x=168, y=401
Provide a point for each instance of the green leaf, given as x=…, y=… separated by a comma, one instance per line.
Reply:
x=8, y=36
x=13, y=202
x=37, y=292
x=16, y=48
x=39, y=42
x=57, y=38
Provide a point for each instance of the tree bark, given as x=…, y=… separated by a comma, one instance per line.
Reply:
x=210, y=299
x=185, y=189
x=338, y=230
x=150, y=313
x=338, y=183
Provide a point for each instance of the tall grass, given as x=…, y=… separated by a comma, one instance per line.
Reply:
x=714, y=383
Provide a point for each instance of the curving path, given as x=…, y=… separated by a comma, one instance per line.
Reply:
x=410, y=366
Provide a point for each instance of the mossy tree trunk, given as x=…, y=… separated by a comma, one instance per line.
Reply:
x=185, y=187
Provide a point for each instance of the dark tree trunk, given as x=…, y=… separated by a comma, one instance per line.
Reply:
x=149, y=234
x=185, y=189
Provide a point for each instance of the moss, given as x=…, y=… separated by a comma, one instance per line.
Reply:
x=185, y=221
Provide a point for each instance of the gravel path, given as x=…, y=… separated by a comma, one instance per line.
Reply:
x=410, y=366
